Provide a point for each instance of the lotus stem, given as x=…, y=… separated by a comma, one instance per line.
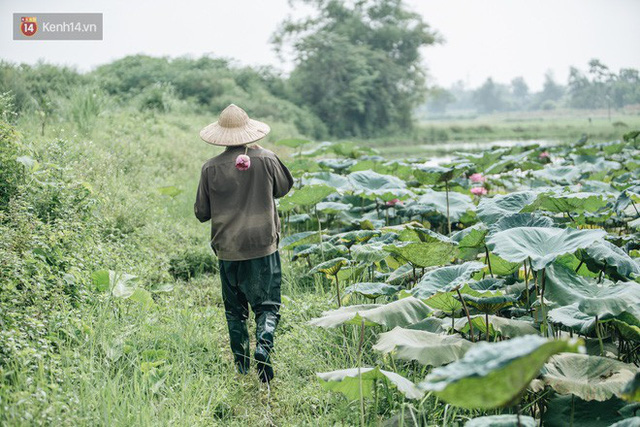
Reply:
x=338, y=290
x=544, y=316
x=526, y=283
x=486, y=250
x=486, y=325
x=579, y=265
x=599, y=337
x=446, y=187
x=466, y=310
x=362, y=423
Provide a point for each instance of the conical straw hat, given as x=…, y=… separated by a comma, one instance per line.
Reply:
x=234, y=127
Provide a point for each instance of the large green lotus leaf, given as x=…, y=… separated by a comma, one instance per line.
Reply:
x=336, y=181
x=431, y=175
x=571, y=317
x=568, y=202
x=503, y=326
x=542, y=245
x=501, y=267
x=489, y=302
x=559, y=174
x=594, y=163
x=318, y=149
x=347, y=382
x=330, y=267
x=122, y=285
x=332, y=207
x=401, y=275
x=506, y=420
x=337, y=164
x=299, y=167
x=603, y=255
x=448, y=301
x=605, y=300
x=422, y=254
x=368, y=181
x=417, y=233
x=493, y=375
x=631, y=390
x=628, y=326
x=520, y=220
x=298, y=239
x=372, y=289
x=490, y=210
x=471, y=237
x=445, y=279
x=484, y=158
x=305, y=196
x=588, y=377
x=628, y=422
x=436, y=201
x=356, y=236
x=352, y=272
x=297, y=218
x=430, y=324
x=518, y=161
x=425, y=347
x=563, y=411
x=324, y=249
x=403, y=312
x=292, y=142
x=370, y=253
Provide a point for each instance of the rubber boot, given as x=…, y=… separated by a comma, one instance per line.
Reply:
x=239, y=339
x=266, y=324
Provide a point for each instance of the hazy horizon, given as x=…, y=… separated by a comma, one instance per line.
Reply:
x=497, y=38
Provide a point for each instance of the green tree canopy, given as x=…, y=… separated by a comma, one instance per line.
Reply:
x=357, y=64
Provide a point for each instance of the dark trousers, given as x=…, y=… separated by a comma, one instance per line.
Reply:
x=254, y=282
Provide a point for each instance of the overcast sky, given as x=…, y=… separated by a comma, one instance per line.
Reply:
x=499, y=38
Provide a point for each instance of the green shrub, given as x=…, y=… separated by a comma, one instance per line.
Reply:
x=11, y=171
x=192, y=263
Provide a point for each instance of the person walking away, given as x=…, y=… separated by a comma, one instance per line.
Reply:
x=237, y=192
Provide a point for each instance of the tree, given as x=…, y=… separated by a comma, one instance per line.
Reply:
x=488, y=98
x=357, y=64
x=438, y=100
x=520, y=92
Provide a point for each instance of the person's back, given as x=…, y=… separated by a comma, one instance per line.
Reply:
x=237, y=193
x=240, y=203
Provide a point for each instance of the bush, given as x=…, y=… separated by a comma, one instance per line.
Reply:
x=11, y=171
x=192, y=263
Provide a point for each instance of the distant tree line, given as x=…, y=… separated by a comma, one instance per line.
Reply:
x=599, y=87
x=357, y=72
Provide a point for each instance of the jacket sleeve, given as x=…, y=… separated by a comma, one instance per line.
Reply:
x=202, y=207
x=282, y=179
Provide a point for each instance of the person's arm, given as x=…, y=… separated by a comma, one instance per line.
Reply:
x=282, y=179
x=201, y=207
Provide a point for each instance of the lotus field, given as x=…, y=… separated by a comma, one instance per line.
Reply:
x=501, y=286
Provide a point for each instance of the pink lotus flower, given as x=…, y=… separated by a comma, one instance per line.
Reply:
x=477, y=177
x=544, y=155
x=243, y=162
x=478, y=191
x=394, y=202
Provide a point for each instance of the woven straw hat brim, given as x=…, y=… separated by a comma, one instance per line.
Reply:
x=252, y=131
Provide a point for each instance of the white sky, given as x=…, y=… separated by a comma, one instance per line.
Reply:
x=499, y=38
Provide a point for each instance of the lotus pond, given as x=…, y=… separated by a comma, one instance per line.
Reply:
x=502, y=284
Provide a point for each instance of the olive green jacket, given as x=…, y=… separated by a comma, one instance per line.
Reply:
x=241, y=204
